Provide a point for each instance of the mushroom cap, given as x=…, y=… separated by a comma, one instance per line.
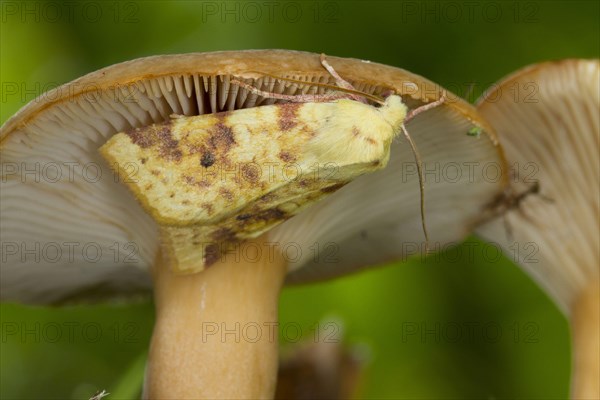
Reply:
x=550, y=133
x=70, y=229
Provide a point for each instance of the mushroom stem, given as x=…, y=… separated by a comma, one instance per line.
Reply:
x=586, y=343
x=216, y=335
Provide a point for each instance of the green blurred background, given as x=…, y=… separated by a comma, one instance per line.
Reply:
x=454, y=326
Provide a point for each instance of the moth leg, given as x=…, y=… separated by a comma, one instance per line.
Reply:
x=413, y=113
x=341, y=82
x=297, y=98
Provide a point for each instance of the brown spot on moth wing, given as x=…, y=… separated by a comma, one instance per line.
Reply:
x=288, y=115
x=158, y=136
x=287, y=157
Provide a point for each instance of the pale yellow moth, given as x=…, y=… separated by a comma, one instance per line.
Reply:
x=212, y=181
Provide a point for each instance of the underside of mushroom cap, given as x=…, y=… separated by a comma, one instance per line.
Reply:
x=90, y=235
x=550, y=133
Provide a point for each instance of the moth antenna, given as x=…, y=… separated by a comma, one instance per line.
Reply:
x=298, y=98
x=373, y=98
x=341, y=82
x=421, y=183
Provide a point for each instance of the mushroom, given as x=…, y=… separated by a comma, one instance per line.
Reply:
x=216, y=330
x=321, y=370
x=550, y=132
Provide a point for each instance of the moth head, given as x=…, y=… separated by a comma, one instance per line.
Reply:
x=394, y=111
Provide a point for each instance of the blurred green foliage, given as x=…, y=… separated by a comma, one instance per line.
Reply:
x=449, y=327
